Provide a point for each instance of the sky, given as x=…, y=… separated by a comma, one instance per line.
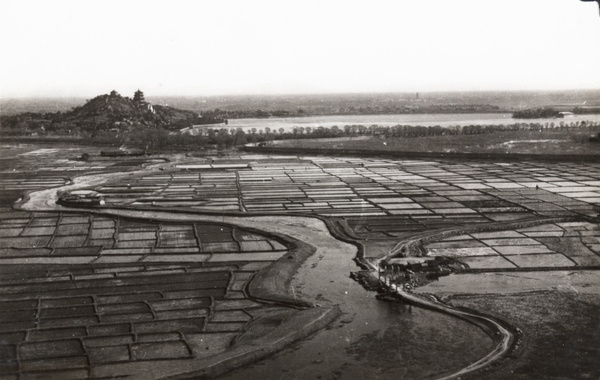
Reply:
x=79, y=48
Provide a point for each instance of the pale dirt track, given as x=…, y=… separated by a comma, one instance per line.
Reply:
x=308, y=280
x=503, y=338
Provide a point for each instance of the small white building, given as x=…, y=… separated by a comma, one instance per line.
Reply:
x=565, y=114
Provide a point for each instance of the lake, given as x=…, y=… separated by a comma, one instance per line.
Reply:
x=444, y=120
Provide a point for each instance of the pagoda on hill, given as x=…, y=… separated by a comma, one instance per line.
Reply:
x=138, y=97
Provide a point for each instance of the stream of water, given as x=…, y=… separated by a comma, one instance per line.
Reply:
x=371, y=340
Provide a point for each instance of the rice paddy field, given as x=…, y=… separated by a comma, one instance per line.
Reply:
x=198, y=265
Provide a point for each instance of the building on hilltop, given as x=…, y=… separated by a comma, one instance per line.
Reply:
x=138, y=97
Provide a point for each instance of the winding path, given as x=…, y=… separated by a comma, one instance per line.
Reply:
x=305, y=229
x=503, y=338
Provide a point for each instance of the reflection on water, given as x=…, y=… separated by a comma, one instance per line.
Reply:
x=444, y=120
x=372, y=339
x=377, y=340
x=414, y=343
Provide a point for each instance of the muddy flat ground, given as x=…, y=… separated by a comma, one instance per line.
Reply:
x=195, y=266
x=546, y=141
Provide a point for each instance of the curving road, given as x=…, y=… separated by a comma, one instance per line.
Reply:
x=310, y=283
x=504, y=339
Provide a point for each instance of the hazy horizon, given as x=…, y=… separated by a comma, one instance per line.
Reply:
x=421, y=94
x=74, y=49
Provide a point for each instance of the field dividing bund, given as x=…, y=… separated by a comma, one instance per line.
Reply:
x=424, y=191
x=126, y=294
x=196, y=266
x=86, y=295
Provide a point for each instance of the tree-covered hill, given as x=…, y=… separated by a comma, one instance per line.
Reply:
x=109, y=112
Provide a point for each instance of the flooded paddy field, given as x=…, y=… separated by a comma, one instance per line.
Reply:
x=98, y=292
x=195, y=266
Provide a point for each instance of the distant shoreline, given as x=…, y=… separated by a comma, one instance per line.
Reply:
x=336, y=104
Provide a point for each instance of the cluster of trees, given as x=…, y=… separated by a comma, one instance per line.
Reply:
x=156, y=138
x=548, y=112
x=402, y=131
x=536, y=113
x=151, y=138
x=111, y=112
x=586, y=110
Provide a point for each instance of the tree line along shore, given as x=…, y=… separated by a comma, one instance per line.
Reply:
x=113, y=119
x=155, y=138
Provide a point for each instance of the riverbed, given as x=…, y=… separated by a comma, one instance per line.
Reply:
x=372, y=339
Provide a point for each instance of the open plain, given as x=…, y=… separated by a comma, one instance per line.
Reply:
x=195, y=266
